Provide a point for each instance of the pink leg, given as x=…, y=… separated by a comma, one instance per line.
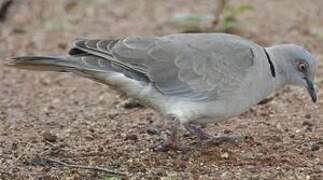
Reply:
x=172, y=141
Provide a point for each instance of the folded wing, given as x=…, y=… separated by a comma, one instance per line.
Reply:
x=196, y=67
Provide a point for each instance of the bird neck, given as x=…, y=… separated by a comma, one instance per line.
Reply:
x=277, y=67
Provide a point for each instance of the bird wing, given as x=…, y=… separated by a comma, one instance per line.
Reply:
x=196, y=67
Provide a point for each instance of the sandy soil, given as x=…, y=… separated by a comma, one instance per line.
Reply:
x=58, y=116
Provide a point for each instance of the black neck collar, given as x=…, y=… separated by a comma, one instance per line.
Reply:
x=272, y=68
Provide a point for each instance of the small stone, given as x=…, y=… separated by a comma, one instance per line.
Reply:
x=100, y=149
x=132, y=103
x=149, y=119
x=308, y=129
x=225, y=155
x=306, y=123
x=249, y=138
x=159, y=172
x=307, y=116
x=276, y=147
x=132, y=137
x=91, y=130
x=258, y=143
x=113, y=115
x=75, y=102
x=62, y=46
x=18, y=31
x=227, y=131
x=308, y=177
x=315, y=147
x=48, y=136
x=89, y=138
x=153, y=131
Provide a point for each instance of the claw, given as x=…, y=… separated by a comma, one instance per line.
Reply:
x=172, y=141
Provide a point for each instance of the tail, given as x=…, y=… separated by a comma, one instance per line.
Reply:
x=91, y=67
x=44, y=63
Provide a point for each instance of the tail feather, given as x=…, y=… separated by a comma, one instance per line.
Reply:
x=89, y=66
x=43, y=63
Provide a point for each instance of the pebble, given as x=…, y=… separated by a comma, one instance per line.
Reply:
x=153, y=131
x=225, y=155
x=315, y=147
x=227, y=131
x=159, y=172
x=306, y=123
x=48, y=136
x=132, y=137
x=113, y=115
x=132, y=104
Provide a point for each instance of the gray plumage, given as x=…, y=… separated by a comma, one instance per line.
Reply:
x=195, y=78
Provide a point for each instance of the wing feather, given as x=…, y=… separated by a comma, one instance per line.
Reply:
x=197, y=67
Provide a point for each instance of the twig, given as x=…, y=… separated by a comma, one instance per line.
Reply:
x=28, y=146
x=4, y=175
x=5, y=5
x=108, y=171
x=219, y=8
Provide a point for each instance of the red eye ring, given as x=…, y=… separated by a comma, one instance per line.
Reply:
x=301, y=67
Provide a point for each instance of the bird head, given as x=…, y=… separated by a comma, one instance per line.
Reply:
x=299, y=66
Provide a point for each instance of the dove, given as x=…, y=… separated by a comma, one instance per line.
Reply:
x=190, y=79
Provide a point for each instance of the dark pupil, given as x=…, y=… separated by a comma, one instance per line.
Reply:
x=302, y=67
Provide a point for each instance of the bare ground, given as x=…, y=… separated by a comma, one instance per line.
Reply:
x=48, y=116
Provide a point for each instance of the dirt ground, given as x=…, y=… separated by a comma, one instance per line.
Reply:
x=48, y=116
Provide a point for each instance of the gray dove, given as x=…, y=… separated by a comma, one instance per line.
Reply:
x=189, y=79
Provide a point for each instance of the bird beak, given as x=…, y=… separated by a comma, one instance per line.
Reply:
x=311, y=89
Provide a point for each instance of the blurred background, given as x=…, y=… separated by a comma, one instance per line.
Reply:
x=46, y=115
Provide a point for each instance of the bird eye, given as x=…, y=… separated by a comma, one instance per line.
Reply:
x=301, y=67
